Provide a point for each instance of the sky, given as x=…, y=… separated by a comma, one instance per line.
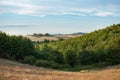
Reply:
x=57, y=16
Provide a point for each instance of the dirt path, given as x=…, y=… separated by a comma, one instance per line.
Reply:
x=10, y=70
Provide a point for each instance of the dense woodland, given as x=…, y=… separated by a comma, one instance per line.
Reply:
x=98, y=48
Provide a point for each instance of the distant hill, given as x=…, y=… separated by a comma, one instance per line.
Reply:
x=54, y=37
x=79, y=33
x=41, y=38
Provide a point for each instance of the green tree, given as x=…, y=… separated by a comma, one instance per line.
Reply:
x=71, y=58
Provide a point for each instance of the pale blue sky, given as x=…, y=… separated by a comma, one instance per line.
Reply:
x=57, y=16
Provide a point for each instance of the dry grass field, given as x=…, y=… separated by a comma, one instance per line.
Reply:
x=51, y=38
x=10, y=70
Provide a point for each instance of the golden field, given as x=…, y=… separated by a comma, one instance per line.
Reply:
x=10, y=70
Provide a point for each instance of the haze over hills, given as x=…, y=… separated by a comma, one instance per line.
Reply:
x=79, y=33
x=31, y=29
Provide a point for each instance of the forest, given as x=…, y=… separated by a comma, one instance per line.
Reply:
x=93, y=50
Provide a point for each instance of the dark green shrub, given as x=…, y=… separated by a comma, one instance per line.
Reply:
x=43, y=63
x=30, y=60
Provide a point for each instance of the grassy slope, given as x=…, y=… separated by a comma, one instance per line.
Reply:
x=10, y=70
x=52, y=38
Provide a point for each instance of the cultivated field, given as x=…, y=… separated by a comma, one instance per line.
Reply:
x=10, y=70
x=51, y=38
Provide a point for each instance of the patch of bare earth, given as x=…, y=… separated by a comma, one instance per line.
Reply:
x=10, y=70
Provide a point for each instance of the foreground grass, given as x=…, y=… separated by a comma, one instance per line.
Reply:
x=10, y=70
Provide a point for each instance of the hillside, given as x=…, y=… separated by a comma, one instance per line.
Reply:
x=55, y=37
x=10, y=70
x=36, y=39
x=91, y=51
x=99, y=46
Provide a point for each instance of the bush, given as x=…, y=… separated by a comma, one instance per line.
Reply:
x=43, y=63
x=71, y=58
x=30, y=60
x=101, y=64
x=54, y=65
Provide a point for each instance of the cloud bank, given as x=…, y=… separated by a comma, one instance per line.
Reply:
x=56, y=7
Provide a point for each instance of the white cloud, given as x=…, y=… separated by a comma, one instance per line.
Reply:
x=103, y=13
x=85, y=10
x=21, y=5
x=30, y=9
x=22, y=8
x=25, y=7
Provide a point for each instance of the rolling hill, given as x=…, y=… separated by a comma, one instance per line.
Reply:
x=11, y=70
x=54, y=37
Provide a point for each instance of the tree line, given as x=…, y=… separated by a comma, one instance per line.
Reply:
x=15, y=47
